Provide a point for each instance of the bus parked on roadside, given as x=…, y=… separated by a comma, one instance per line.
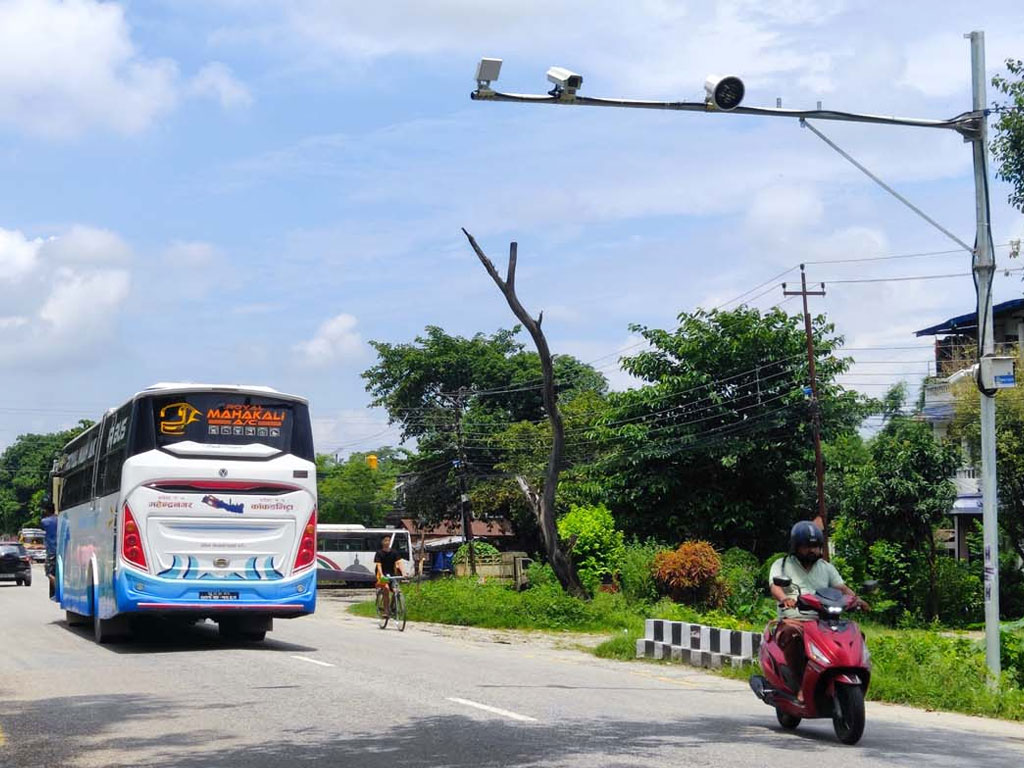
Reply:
x=344, y=553
x=189, y=500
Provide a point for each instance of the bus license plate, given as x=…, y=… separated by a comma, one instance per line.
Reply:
x=218, y=595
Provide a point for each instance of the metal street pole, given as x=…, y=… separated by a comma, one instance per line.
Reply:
x=984, y=269
x=973, y=126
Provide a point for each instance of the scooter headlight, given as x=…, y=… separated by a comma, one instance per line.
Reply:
x=816, y=654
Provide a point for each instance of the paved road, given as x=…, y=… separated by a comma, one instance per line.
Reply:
x=334, y=690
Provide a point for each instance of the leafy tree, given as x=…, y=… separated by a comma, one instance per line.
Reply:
x=597, y=547
x=1009, y=449
x=1008, y=142
x=487, y=387
x=895, y=502
x=717, y=443
x=24, y=475
x=351, y=491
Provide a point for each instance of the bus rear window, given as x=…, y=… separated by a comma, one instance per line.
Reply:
x=227, y=418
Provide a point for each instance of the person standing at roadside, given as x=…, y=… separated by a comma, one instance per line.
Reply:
x=49, y=526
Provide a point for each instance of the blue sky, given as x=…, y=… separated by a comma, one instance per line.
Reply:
x=249, y=190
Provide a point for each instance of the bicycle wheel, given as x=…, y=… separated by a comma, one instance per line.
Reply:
x=400, y=611
x=382, y=608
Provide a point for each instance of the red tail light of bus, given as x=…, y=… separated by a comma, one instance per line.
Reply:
x=131, y=541
x=307, y=546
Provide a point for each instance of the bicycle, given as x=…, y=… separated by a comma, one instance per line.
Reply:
x=396, y=610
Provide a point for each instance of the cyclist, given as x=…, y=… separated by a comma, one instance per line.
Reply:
x=387, y=562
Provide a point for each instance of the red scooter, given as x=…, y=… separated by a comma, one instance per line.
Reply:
x=837, y=672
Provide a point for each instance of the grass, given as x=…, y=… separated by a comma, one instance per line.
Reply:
x=921, y=668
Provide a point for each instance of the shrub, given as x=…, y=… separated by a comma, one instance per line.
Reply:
x=959, y=593
x=636, y=571
x=688, y=574
x=739, y=573
x=598, y=549
x=764, y=575
x=480, y=548
x=1011, y=654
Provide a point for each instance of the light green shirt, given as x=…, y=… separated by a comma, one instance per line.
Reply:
x=821, y=576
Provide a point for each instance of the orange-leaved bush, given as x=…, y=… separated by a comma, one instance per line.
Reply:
x=689, y=574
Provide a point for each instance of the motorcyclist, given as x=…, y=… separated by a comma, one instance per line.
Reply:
x=808, y=573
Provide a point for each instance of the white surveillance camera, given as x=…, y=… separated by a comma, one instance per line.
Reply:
x=565, y=79
x=725, y=92
x=488, y=70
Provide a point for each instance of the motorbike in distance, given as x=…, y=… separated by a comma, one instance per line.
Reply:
x=837, y=671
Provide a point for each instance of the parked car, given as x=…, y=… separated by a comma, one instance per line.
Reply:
x=15, y=564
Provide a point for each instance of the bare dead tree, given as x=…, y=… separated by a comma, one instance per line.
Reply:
x=542, y=503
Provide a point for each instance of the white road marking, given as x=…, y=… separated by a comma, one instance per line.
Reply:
x=313, y=661
x=495, y=710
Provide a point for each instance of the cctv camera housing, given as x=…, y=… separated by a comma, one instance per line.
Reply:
x=724, y=92
x=565, y=78
x=488, y=70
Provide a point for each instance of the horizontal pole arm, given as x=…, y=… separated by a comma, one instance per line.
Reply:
x=965, y=123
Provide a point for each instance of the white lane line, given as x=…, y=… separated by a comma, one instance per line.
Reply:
x=313, y=661
x=495, y=710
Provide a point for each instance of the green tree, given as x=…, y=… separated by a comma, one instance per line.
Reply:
x=351, y=491
x=25, y=474
x=1009, y=449
x=717, y=442
x=1008, y=140
x=496, y=382
x=895, y=502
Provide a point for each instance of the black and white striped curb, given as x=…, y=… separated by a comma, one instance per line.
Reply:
x=697, y=644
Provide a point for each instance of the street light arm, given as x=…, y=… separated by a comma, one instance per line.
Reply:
x=966, y=123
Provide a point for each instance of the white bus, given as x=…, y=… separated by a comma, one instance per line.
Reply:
x=191, y=500
x=344, y=553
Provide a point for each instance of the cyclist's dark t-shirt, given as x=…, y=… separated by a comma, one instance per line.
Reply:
x=387, y=561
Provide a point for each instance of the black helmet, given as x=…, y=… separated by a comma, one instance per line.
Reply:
x=805, y=534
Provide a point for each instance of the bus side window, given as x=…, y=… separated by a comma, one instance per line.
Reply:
x=114, y=447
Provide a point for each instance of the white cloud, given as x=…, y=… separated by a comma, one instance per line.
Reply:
x=216, y=81
x=350, y=429
x=69, y=66
x=86, y=245
x=18, y=255
x=336, y=340
x=67, y=298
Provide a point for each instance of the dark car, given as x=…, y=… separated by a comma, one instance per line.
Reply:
x=15, y=564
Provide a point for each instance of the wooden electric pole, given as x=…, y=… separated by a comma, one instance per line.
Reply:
x=819, y=464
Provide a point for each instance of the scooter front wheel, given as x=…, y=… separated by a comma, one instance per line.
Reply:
x=786, y=720
x=848, y=713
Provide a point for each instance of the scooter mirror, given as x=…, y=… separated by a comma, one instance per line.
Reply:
x=870, y=586
x=782, y=581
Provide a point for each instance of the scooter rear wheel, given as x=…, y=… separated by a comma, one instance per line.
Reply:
x=786, y=720
x=848, y=713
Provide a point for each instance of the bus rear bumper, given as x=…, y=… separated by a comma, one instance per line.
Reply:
x=283, y=598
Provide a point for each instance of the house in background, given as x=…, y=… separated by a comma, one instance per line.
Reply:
x=956, y=342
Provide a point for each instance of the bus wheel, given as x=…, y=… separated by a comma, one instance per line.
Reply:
x=103, y=630
x=242, y=630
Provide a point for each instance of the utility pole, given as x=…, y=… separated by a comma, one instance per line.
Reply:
x=460, y=464
x=984, y=269
x=819, y=463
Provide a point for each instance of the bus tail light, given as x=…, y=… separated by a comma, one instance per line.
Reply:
x=307, y=545
x=131, y=541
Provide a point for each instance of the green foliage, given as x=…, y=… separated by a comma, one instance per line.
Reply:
x=689, y=573
x=350, y=491
x=764, y=574
x=959, y=592
x=507, y=428
x=745, y=590
x=712, y=442
x=620, y=646
x=929, y=670
x=636, y=571
x=480, y=549
x=896, y=499
x=598, y=549
x=24, y=476
x=1008, y=131
x=1009, y=471
x=1011, y=656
